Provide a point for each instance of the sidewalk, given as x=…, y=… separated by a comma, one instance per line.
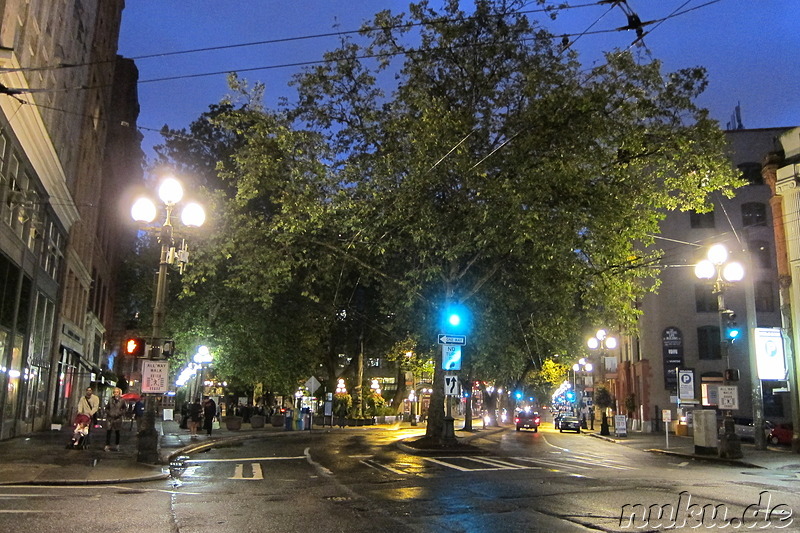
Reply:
x=41, y=458
x=774, y=457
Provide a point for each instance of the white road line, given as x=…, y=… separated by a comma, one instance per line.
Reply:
x=552, y=463
x=496, y=464
x=251, y=459
x=503, y=465
x=321, y=469
x=448, y=465
x=378, y=466
x=239, y=472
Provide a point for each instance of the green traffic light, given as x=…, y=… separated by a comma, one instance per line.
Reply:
x=454, y=320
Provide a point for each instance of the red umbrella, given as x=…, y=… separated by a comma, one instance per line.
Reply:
x=131, y=396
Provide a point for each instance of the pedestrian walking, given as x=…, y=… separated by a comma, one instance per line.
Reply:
x=195, y=416
x=115, y=410
x=209, y=412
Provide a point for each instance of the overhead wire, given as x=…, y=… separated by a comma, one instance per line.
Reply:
x=16, y=92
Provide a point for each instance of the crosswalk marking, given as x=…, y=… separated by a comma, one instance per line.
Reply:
x=239, y=472
x=581, y=463
x=373, y=464
x=496, y=464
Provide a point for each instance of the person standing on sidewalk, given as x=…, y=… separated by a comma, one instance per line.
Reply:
x=115, y=410
x=195, y=416
x=89, y=405
x=209, y=413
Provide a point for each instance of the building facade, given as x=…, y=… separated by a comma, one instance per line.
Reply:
x=64, y=96
x=681, y=325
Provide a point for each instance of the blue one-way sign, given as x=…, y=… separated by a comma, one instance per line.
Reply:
x=445, y=338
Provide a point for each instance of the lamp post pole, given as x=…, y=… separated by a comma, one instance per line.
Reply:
x=601, y=342
x=723, y=272
x=144, y=210
x=583, y=367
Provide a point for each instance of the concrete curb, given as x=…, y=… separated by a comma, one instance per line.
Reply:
x=694, y=456
x=708, y=458
x=65, y=482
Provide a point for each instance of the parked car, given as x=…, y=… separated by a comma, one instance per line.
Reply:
x=558, y=416
x=745, y=429
x=569, y=423
x=780, y=434
x=528, y=420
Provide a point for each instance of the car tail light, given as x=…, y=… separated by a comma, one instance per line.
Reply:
x=536, y=420
x=516, y=420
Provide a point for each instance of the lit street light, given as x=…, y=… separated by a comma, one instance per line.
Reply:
x=582, y=367
x=144, y=210
x=601, y=341
x=716, y=267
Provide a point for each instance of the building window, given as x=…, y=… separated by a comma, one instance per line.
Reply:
x=372, y=362
x=708, y=342
x=765, y=297
x=752, y=173
x=761, y=253
x=705, y=301
x=701, y=220
x=754, y=214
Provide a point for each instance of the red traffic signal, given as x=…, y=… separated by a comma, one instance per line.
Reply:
x=134, y=347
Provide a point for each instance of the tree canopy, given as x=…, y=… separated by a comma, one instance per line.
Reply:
x=445, y=156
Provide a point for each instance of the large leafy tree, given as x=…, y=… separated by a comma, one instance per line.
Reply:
x=499, y=173
x=494, y=171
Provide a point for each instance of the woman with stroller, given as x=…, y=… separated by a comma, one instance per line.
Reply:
x=115, y=410
x=82, y=423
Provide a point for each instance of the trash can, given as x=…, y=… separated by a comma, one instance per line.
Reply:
x=288, y=420
x=300, y=422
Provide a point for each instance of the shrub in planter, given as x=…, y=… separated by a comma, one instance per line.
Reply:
x=233, y=423
x=257, y=421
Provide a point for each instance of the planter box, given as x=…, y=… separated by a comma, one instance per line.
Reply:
x=257, y=421
x=277, y=421
x=233, y=423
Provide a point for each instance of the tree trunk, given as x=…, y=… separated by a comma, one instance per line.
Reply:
x=435, y=428
x=467, y=384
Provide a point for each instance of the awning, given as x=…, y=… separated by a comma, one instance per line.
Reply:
x=88, y=365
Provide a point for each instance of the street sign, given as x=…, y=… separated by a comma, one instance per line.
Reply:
x=312, y=384
x=445, y=338
x=452, y=387
x=621, y=425
x=155, y=377
x=728, y=397
x=686, y=384
x=451, y=357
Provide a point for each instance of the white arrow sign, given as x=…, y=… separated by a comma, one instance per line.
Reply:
x=452, y=387
x=444, y=338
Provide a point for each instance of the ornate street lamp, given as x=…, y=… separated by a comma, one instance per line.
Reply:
x=716, y=267
x=601, y=341
x=583, y=367
x=144, y=210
